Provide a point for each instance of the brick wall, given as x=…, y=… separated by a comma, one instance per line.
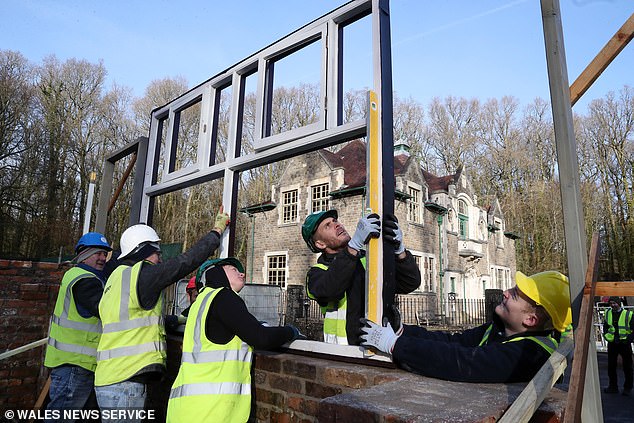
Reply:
x=28, y=292
x=289, y=388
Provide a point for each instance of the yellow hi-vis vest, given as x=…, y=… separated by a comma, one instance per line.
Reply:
x=132, y=338
x=622, y=327
x=214, y=380
x=546, y=342
x=334, y=314
x=72, y=339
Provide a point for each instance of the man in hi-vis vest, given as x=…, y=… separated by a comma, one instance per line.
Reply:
x=214, y=380
x=337, y=281
x=618, y=330
x=75, y=327
x=131, y=352
x=525, y=330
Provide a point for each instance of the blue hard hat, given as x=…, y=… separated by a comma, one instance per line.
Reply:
x=92, y=239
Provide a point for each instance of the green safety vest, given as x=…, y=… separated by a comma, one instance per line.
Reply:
x=334, y=314
x=132, y=338
x=72, y=339
x=622, y=327
x=546, y=342
x=214, y=380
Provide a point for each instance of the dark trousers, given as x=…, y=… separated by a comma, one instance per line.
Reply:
x=623, y=349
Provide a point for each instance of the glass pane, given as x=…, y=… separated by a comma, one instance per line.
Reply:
x=296, y=88
x=357, y=68
x=187, y=136
x=248, y=114
x=222, y=120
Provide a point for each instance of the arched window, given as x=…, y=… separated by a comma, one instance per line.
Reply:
x=463, y=219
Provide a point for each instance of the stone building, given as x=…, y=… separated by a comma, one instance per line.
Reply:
x=474, y=251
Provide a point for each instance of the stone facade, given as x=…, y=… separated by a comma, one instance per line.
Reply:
x=475, y=250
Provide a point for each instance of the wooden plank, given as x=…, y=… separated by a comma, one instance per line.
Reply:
x=613, y=47
x=620, y=289
x=42, y=397
x=533, y=395
x=582, y=336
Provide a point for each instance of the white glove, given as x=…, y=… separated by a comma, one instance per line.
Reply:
x=368, y=227
x=382, y=338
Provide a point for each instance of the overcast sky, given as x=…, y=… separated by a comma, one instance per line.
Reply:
x=463, y=48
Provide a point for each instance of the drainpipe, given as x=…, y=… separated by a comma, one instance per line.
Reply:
x=252, y=216
x=441, y=273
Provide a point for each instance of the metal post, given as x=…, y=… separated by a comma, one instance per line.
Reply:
x=574, y=226
x=91, y=194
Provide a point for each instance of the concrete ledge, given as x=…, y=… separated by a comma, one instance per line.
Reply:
x=415, y=398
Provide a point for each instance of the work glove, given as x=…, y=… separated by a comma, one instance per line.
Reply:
x=296, y=333
x=222, y=221
x=368, y=227
x=382, y=338
x=392, y=232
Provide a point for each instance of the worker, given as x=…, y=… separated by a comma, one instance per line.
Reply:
x=191, y=290
x=214, y=380
x=525, y=331
x=75, y=328
x=618, y=331
x=131, y=352
x=337, y=281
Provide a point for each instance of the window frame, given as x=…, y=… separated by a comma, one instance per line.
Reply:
x=268, y=269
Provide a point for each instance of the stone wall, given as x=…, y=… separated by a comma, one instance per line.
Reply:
x=28, y=292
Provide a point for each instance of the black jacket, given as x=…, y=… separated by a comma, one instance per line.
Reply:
x=457, y=357
x=346, y=274
x=229, y=317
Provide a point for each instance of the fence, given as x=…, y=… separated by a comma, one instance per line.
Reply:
x=424, y=310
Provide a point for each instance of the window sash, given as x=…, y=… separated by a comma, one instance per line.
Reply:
x=289, y=206
x=319, y=198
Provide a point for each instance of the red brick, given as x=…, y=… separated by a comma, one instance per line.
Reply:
x=303, y=405
x=268, y=363
x=259, y=377
x=280, y=417
x=20, y=263
x=344, y=377
x=317, y=390
x=285, y=383
x=301, y=369
x=50, y=267
x=262, y=414
x=23, y=372
x=269, y=397
x=8, y=271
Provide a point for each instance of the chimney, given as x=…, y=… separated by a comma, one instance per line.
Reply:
x=401, y=147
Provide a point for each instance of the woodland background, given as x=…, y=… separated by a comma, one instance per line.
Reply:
x=58, y=121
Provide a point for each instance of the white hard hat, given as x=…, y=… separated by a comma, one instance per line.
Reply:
x=134, y=236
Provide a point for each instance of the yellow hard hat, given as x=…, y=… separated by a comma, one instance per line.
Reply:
x=550, y=290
